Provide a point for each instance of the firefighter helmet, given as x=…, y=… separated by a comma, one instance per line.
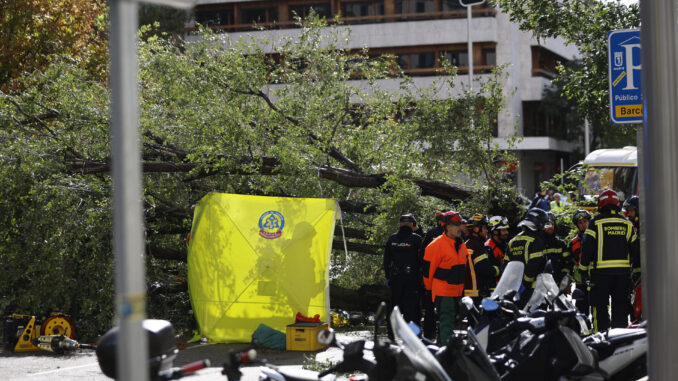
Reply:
x=608, y=197
x=478, y=220
x=498, y=222
x=579, y=215
x=453, y=218
x=535, y=219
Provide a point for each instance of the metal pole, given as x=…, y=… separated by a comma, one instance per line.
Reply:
x=128, y=227
x=660, y=96
x=470, y=46
x=587, y=143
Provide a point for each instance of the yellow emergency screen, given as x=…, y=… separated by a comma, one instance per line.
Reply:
x=254, y=259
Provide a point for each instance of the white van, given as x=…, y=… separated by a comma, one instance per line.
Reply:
x=615, y=168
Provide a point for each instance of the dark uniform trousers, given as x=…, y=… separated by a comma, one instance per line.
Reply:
x=609, y=252
x=402, y=267
x=405, y=295
x=616, y=287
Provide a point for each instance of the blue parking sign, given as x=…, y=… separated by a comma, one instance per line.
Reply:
x=623, y=55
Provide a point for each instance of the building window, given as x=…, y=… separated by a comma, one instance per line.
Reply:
x=362, y=8
x=456, y=57
x=490, y=57
x=537, y=121
x=545, y=62
x=323, y=10
x=215, y=17
x=258, y=15
x=414, y=6
x=425, y=60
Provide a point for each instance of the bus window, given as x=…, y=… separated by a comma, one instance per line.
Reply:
x=618, y=178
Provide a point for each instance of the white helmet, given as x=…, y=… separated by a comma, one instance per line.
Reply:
x=498, y=222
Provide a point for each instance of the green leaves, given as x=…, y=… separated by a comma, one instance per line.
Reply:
x=584, y=24
x=220, y=115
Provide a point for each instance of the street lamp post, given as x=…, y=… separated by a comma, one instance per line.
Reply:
x=659, y=41
x=469, y=5
x=128, y=225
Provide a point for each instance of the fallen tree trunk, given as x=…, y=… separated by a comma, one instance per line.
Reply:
x=349, y=178
x=365, y=299
x=182, y=254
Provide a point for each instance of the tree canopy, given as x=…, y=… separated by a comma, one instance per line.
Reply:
x=221, y=115
x=585, y=24
x=33, y=31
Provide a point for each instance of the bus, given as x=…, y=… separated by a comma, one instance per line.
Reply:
x=615, y=168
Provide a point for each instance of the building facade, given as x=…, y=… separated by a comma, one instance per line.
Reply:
x=419, y=33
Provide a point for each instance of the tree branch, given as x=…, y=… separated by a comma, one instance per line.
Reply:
x=438, y=189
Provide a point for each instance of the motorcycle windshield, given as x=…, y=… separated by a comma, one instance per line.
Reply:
x=545, y=290
x=415, y=350
x=510, y=280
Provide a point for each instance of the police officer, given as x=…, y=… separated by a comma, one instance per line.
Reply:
x=528, y=247
x=483, y=269
x=580, y=219
x=427, y=300
x=498, y=242
x=402, y=267
x=447, y=255
x=556, y=250
x=609, y=251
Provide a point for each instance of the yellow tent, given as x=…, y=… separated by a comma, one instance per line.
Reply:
x=254, y=259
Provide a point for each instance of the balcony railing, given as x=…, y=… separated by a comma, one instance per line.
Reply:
x=454, y=14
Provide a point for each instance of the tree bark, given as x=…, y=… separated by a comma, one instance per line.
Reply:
x=365, y=299
x=352, y=179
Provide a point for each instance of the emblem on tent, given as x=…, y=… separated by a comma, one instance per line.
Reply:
x=271, y=224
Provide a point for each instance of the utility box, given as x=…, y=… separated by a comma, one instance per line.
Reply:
x=304, y=336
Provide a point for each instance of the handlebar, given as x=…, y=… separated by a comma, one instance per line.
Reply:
x=537, y=322
x=353, y=360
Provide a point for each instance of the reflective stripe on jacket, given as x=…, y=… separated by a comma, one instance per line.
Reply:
x=528, y=247
x=610, y=245
x=483, y=267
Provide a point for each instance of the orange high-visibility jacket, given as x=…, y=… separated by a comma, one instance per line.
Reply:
x=447, y=271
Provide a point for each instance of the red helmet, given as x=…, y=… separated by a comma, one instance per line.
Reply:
x=439, y=217
x=608, y=197
x=453, y=218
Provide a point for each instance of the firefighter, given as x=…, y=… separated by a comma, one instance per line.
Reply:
x=426, y=300
x=609, y=251
x=483, y=269
x=447, y=256
x=580, y=219
x=528, y=247
x=556, y=250
x=402, y=266
x=632, y=209
x=632, y=212
x=498, y=242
